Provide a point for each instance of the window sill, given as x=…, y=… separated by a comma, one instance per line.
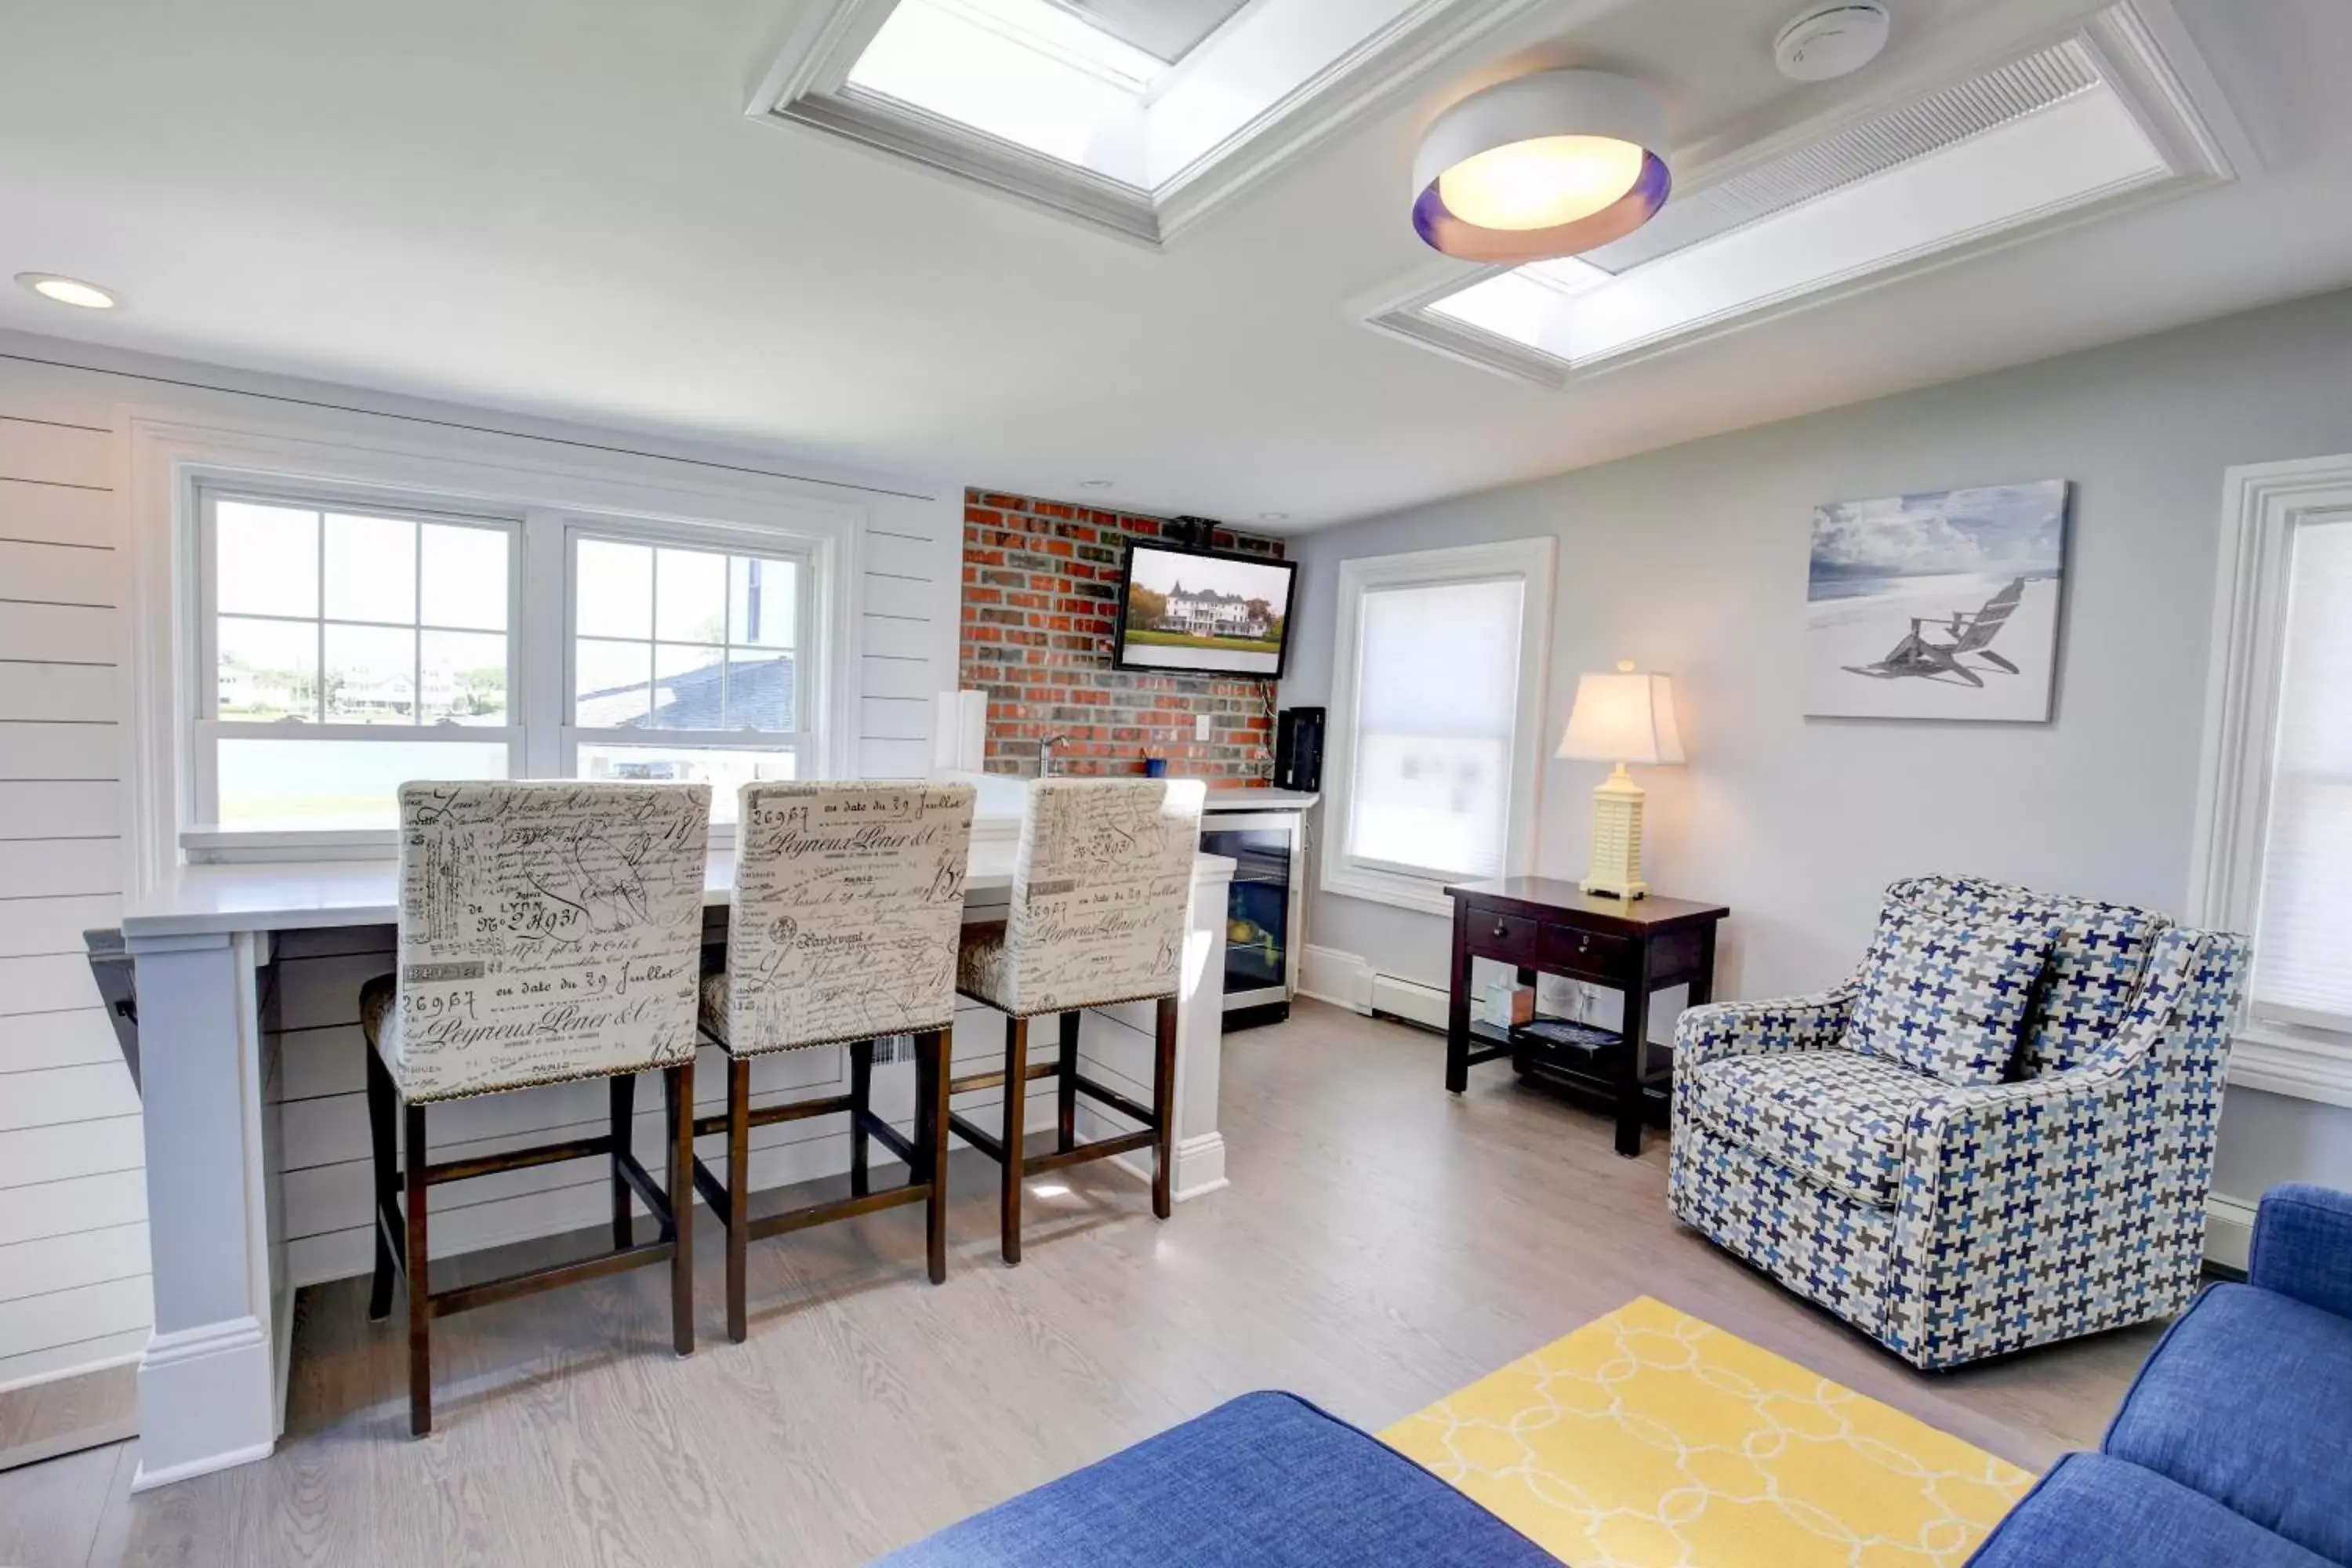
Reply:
x=1423, y=895
x=2301, y=1064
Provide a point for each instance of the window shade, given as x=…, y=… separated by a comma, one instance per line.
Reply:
x=1437, y=678
x=2303, y=942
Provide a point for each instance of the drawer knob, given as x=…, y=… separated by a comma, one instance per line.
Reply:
x=1499, y=928
x=1583, y=944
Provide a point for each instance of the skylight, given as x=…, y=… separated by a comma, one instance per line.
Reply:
x=2072, y=129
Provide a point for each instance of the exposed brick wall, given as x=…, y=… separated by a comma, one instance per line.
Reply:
x=1040, y=596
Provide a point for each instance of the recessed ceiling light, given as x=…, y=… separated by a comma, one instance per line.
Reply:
x=1094, y=484
x=1541, y=166
x=67, y=291
x=1273, y=517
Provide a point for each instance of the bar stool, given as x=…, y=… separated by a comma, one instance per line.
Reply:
x=847, y=898
x=548, y=933
x=1100, y=887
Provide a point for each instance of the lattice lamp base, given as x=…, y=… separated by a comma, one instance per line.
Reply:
x=1617, y=838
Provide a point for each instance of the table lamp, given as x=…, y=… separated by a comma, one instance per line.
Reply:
x=1619, y=718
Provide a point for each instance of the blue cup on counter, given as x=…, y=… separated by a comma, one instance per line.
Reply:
x=1155, y=767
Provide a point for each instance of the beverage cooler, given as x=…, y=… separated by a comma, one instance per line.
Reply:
x=1263, y=932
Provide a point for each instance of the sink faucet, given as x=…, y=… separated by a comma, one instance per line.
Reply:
x=1045, y=755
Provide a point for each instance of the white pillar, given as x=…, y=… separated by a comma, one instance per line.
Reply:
x=1201, y=1032
x=207, y=1383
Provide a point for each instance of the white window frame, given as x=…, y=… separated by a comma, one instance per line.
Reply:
x=1527, y=561
x=2263, y=505
x=175, y=456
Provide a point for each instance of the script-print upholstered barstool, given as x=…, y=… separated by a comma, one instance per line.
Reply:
x=549, y=934
x=1101, y=889
x=847, y=899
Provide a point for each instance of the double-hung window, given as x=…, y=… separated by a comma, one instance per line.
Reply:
x=2275, y=858
x=346, y=643
x=1437, y=696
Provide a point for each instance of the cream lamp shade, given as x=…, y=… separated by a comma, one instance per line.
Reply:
x=1621, y=717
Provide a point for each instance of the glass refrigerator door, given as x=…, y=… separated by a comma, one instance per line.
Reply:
x=1257, y=916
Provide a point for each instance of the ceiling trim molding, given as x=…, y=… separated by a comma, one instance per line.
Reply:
x=2147, y=62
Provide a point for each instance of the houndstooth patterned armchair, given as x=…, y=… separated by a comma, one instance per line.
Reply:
x=1955, y=1220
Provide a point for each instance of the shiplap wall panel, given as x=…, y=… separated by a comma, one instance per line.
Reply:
x=46, y=982
x=57, y=394
x=906, y=678
x=892, y=552
x=58, y=809
x=47, y=452
x=58, y=514
x=73, y=749
x=55, y=692
x=35, y=925
x=62, y=866
x=79, y=1202
x=76, y=1259
x=52, y=1097
x=72, y=1315
x=58, y=633
x=899, y=636
x=58, y=573
x=34, y=1042
x=52, y=1154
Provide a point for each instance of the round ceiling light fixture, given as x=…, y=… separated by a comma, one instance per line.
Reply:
x=67, y=291
x=1540, y=166
x=1825, y=42
x=1094, y=484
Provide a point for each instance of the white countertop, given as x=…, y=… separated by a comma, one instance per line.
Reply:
x=1228, y=797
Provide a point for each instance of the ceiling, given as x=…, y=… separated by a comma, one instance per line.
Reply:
x=560, y=208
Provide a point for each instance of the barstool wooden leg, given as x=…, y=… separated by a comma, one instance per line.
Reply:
x=1066, y=1083
x=625, y=1112
x=861, y=1097
x=420, y=1302
x=739, y=1191
x=1016, y=1095
x=677, y=1088
x=1163, y=1109
x=931, y=1055
x=383, y=1200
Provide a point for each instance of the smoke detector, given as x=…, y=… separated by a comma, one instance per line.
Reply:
x=1828, y=41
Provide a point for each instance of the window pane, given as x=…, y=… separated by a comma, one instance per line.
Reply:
x=723, y=771
x=612, y=590
x=465, y=578
x=759, y=690
x=465, y=677
x=687, y=688
x=266, y=560
x=764, y=602
x=370, y=568
x=339, y=784
x=266, y=669
x=370, y=675
x=609, y=683
x=691, y=601
x=1437, y=699
x=2304, y=930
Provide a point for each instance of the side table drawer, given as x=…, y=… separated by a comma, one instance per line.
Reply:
x=1592, y=955
x=1508, y=939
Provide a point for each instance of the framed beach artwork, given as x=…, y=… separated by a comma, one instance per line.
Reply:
x=1937, y=605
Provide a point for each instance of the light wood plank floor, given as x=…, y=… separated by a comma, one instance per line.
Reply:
x=1381, y=1244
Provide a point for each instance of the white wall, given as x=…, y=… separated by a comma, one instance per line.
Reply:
x=1694, y=560
x=73, y=1242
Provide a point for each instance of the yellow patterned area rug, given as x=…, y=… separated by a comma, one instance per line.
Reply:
x=1650, y=1439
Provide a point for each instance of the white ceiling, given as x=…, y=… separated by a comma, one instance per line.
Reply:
x=559, y=207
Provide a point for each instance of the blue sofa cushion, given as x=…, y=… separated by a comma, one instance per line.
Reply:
x=1267, y=1480
x=2094, y=1511
x=2249, y=1401
x=1946, y=998
x=2303, y=1246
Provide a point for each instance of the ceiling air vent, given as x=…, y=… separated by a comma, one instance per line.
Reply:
x=1927, y=125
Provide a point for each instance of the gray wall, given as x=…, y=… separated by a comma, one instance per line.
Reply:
x=1694, y=560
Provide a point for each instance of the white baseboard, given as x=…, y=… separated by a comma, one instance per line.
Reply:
x=1343, y=979
x=1410, y=1000
x=204, y=1401
x=2229, y=1231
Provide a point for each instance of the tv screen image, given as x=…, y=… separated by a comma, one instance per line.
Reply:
x=1181, y=609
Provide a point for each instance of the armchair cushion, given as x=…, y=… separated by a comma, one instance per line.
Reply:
x=1946, y=998
x=2303, y=1246
x=2245, y=1401
x=1833, y=1117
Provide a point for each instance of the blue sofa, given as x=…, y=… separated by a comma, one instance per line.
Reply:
x=2234, y=1448
x=1267, y=1480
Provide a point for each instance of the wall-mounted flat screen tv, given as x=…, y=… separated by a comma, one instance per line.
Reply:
x=1202, y=611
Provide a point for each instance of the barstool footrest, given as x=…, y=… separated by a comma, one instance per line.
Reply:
x=1100, y=1149
x=530, y=1281
x=518, y=1159
x=838, y=1208
x=971, y=1083
x=890, y=1138
x=987, y=1143
x=1128, y=1107
x=769, y=1115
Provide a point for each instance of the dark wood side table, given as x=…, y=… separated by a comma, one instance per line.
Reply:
x=1539, y=925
